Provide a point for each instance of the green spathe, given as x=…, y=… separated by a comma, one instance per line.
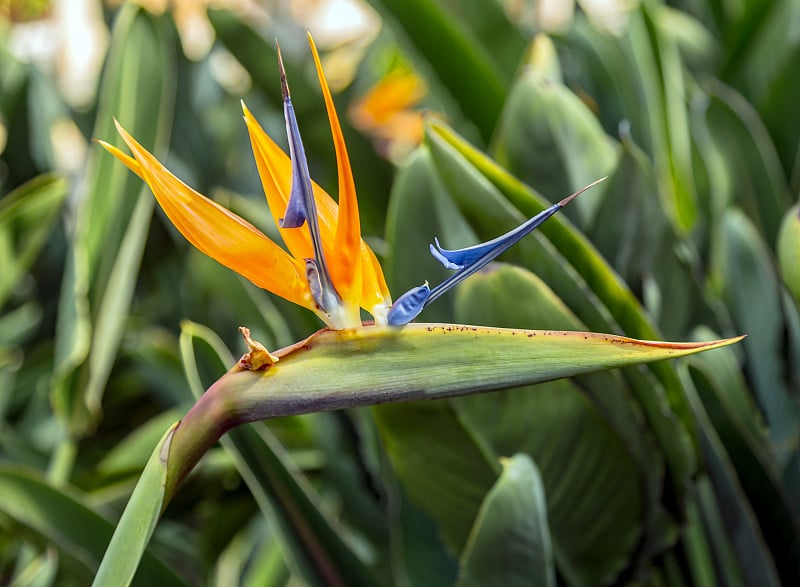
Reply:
x=371, y=365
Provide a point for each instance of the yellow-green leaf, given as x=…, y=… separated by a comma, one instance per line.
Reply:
x=789, y=251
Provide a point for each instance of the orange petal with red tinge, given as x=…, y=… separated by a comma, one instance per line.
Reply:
x=217, y=232
x=344, y=262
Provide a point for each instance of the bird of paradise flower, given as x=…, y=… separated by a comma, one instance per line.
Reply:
x=330, y=270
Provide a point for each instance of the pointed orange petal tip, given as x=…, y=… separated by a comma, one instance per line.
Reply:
x=129, y=161
x=221, y=234
x=345, y=260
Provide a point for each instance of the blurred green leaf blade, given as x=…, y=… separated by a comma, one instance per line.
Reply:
x=112, y=218
x=779, y=523
x=744, y=272
x=450, y=49
x=789, y=251
x=550, y=140
x=510, y=542
x=134, y=529
x=27, y=217
x=62, y=518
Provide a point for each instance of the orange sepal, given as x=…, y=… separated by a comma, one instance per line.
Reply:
x=275, y=169
x=344, y=262
x=129, y=161
x=217, y=232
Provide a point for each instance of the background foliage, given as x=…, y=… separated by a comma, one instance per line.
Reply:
x=671, y=474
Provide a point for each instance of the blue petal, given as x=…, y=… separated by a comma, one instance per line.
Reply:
x=408, y=306
x=469, y=261
x=442, y=256
x=481, y=255
x=461, y=258
x=301, y=196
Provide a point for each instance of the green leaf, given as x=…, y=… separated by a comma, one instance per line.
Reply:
x=602, y=69
x=27, y=216
x=543, y=117
x=315, y=541
x=748, y=34
x=654, y=55
x=60, y=517
x=764, y=70
x=727, y=372
x=722, y=557
x=447, y=474
x=630, y=225
x=632, y=230
x=543, y=58
x=19, y=324
x=133, y=452
x=421, y=358
x=138, y=521
x=743, y=532
x=743, y=270
x=40, y=572
x=752, y=177
x=699, y=560
x=510, y=542
x=113, y=217
x=699, y=47
x=776, y=106
x=757, y=474
x=789, y=251
x=419, y=556
x=489, y=23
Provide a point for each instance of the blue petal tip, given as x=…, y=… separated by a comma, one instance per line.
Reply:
x=408, y=306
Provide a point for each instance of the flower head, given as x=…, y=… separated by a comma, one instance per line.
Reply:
x=328, y=267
